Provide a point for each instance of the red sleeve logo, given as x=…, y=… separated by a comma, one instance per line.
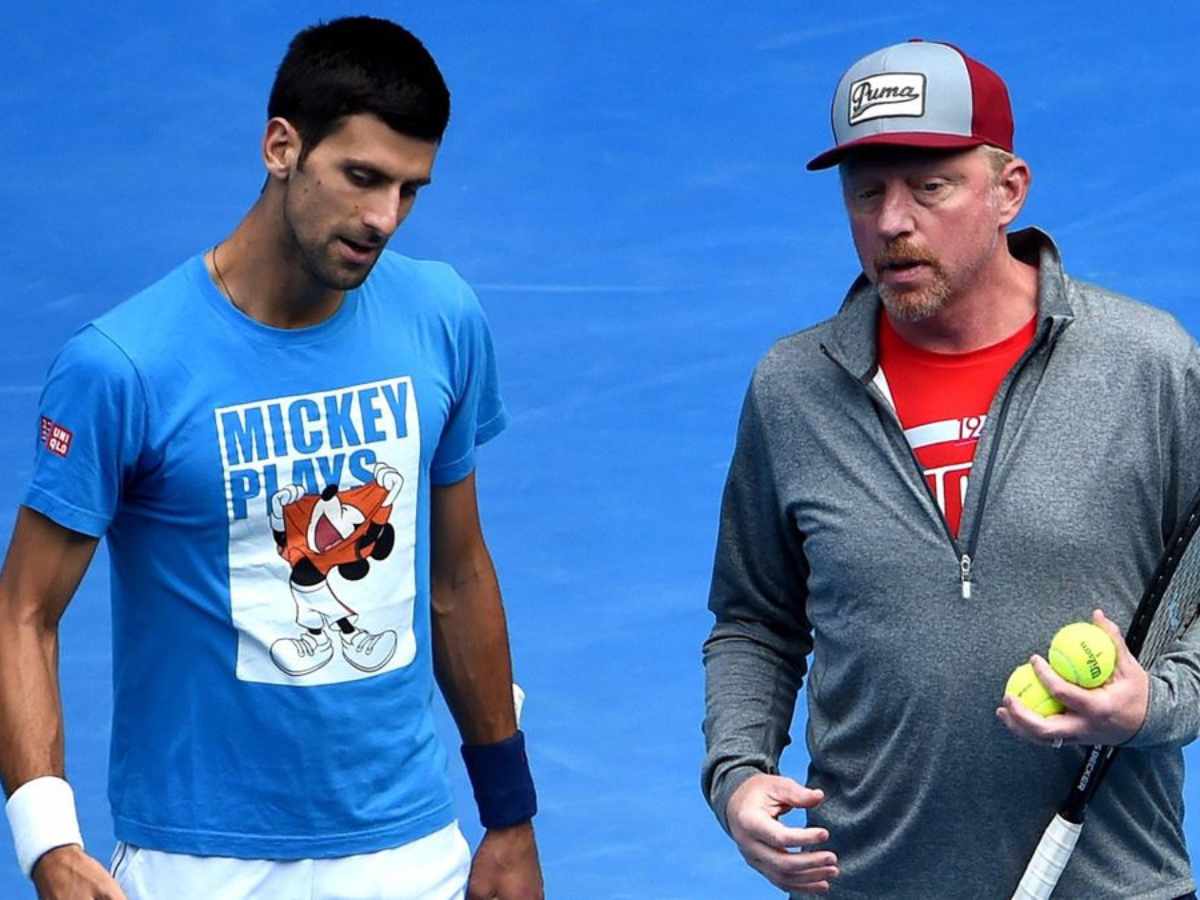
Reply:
x=56, y=438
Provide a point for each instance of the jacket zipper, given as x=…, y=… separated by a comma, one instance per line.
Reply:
x=965, y=557
x=984, y=489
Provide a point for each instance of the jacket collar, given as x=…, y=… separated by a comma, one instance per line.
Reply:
x=854, y=330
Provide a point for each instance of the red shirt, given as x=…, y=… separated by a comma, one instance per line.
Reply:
x=942, y=401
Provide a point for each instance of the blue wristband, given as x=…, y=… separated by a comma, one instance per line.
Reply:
x=502, y=782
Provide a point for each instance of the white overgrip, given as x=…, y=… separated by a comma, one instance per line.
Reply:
x=1048, y=861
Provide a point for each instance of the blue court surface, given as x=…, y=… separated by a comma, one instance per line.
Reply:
x=623, y=184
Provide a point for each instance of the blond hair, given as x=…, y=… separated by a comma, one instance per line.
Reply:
x=998, y=159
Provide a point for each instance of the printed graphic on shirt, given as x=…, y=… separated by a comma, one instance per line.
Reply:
x=945, y=451
x=57, y=438
x=321, y=496
x=942, y=401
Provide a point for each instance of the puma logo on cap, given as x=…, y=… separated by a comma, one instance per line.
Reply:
x=893, y=94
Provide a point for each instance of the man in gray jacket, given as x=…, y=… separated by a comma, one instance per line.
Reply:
x=975, y=451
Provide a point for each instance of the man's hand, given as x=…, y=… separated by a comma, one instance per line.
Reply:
x=1109, y=714
x=67, y=873
x=506, y=866
x=768, y=845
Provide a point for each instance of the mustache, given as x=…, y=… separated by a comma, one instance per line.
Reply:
x=903, y=252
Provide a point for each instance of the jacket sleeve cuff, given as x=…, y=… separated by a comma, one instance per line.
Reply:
x=1157, y=724
x=729, y=782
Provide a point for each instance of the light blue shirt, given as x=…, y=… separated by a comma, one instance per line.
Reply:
x=265, y=495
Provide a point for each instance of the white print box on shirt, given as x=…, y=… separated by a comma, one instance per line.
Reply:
x=321, y=496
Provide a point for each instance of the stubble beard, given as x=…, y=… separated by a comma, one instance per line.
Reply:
x=340, y=279
x=319, y=258
x=321, y=263
x=912, y=304
x=915, y=304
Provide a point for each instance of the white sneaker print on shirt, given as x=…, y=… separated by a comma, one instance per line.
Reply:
x=302, y=655
x=368, y=652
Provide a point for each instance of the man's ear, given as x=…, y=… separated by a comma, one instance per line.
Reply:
x=281, y=148
x=1012, y=186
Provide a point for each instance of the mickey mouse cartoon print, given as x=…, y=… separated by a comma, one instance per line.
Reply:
x=315, y=534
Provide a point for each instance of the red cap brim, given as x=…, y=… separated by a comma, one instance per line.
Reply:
x=894, y=139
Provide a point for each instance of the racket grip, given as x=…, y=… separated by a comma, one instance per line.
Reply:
x=1048, y=861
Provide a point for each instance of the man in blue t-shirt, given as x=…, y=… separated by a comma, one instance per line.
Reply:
x=278, y=440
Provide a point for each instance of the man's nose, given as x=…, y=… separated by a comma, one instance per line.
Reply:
x=895, y=217
x=383, y=212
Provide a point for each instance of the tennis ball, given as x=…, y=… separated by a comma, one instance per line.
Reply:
x=1083, y=654
x=1023, y=684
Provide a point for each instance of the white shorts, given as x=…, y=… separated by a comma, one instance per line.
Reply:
x=430, y=868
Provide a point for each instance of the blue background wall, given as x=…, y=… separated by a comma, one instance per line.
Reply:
x=624, y=185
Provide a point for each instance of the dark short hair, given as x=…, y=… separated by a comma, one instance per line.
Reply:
x=357, y=65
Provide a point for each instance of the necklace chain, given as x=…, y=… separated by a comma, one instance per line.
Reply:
x=221, y=278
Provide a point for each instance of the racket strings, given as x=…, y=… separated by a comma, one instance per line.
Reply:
x=1176, y=610
x=1167, y=609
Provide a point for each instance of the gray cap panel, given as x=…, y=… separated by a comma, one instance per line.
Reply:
x=916, y=86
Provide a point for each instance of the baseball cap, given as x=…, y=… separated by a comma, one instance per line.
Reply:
x=918, y=94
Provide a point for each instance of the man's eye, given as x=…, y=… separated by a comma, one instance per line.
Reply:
x=408, y=190
x=932, y=187
x=358, y=177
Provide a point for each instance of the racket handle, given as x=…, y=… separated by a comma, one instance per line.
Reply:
x=1048, y=861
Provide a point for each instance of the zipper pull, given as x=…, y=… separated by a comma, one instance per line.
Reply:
x=964, y=574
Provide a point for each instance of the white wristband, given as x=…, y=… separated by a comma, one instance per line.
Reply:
x=41, y=814
x=518, y=701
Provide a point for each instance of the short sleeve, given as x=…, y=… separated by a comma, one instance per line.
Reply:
x=477, y=414
x=90, y=431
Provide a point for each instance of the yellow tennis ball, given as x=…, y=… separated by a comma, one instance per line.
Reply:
x=1023, y=684
x=1083, y=654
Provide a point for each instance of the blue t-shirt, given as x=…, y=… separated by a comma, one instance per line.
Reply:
x=265, y=494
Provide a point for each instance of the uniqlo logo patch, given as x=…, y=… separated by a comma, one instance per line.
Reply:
x=56, y=438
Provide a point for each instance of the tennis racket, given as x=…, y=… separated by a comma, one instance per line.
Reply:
x=1167, y=608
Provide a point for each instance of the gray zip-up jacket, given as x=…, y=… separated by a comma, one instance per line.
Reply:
x=831, y=544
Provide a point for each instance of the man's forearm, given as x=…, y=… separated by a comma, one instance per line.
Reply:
x=470, y=649
x=750, y=696
x=44, y=566
x=31, y=724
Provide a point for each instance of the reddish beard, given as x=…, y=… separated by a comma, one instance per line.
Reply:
x=911, y=303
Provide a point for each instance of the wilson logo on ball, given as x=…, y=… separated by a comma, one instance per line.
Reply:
x=1093, y=662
